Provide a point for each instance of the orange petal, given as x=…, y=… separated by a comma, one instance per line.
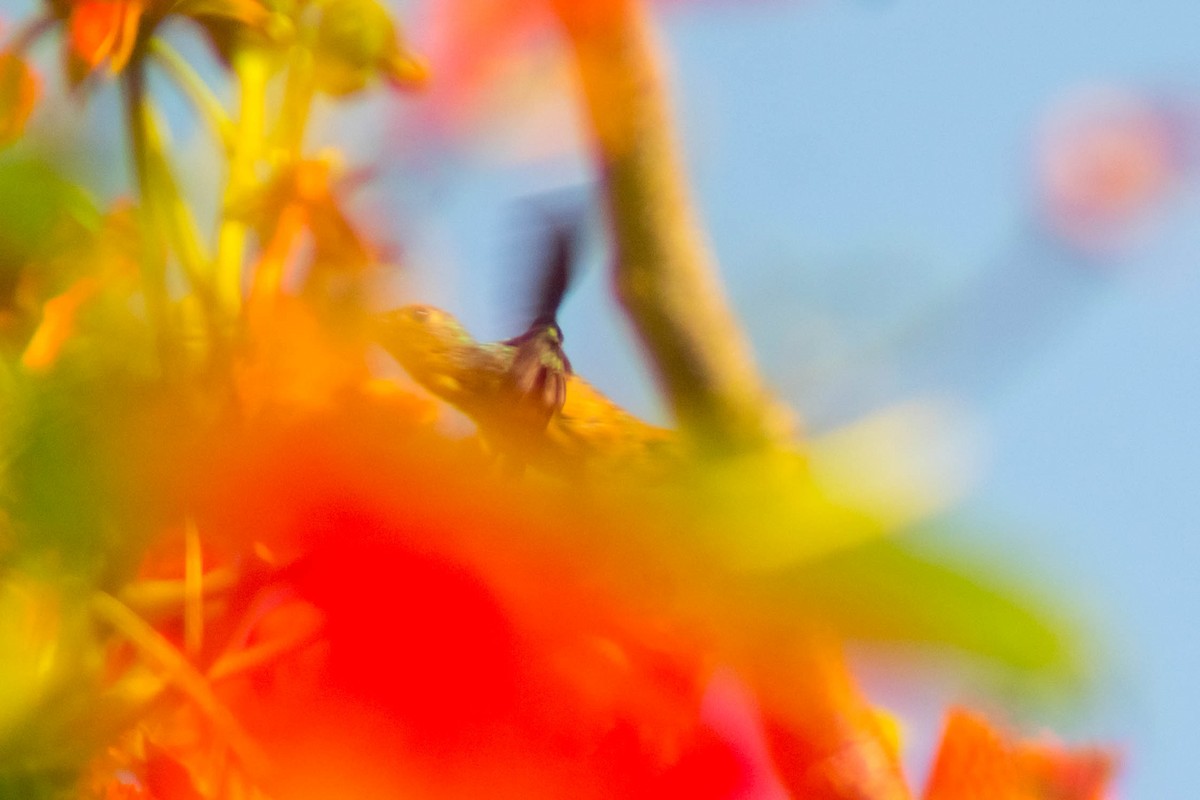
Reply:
x=58, y=324
x=826, y=741
x=1054, y=774
x=976, y=762
x=104, y=30
x=93, y=26
x=972, y=763
x=131, y=15
x=18, y=92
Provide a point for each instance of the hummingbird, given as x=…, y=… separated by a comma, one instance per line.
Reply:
x=522, y=392
x=540, y=368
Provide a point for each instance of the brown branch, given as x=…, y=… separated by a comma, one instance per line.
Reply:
x=664, y=275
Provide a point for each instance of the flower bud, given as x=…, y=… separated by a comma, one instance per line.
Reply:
x=357, y=40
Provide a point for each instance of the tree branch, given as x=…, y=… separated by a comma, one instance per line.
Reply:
x=664, y=274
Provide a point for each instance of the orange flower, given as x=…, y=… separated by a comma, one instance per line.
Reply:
x=101, y=32
x=977, y=763
x=456, y=660
x=472, y=644
x=302, y=354
x=106, y=34
x=303, y=196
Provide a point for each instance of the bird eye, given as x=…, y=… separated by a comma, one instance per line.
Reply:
x=420, y=314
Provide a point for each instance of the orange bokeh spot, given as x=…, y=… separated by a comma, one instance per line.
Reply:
x=1106, y=162
x=490, y=58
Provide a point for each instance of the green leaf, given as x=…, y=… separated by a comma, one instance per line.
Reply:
x=886, y=591
x=38, y=206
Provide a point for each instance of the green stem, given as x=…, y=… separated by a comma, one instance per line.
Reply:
x=252, y=69
x=165, y=217
x=196, y=90
x=297, y=102
x=153, y=250
x=179, y=222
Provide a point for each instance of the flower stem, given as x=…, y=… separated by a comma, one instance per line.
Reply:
x=297, y=102
x=252, y=69
x=28, y=34
x=153, y=250
x=196, y=90
x=180, y=224
x=166, y=218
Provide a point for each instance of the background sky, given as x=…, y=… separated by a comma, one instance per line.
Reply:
x=865, y=171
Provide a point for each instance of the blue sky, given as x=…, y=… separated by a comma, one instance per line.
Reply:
x=857, y=164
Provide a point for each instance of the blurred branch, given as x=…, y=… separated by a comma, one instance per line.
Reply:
x=31, y=31
x=664, y=274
